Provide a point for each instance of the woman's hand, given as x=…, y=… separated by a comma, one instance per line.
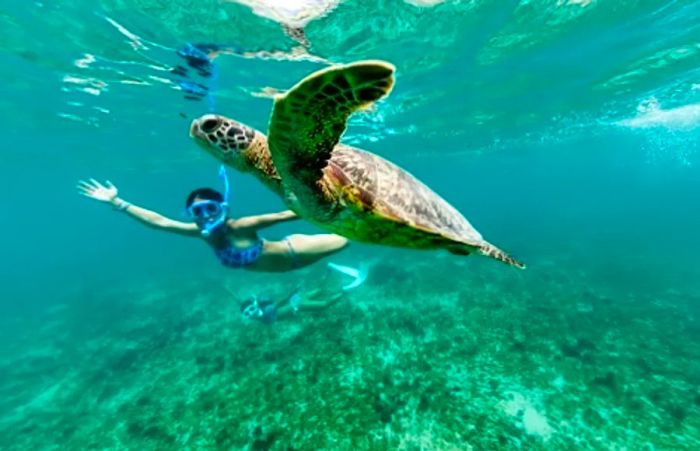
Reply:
x=97, y=191
x=108, y=194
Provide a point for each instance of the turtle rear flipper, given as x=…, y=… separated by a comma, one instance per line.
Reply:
x=492, y=251
x=308, y=120
x=488, y=250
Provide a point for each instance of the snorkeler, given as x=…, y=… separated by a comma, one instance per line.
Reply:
x=265, y=310
x=200, y=58
x=235, y=241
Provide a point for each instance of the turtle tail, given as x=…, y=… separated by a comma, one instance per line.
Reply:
x=492, y=251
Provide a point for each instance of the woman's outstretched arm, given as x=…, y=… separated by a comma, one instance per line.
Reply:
x=108, y=194
x=261, y=221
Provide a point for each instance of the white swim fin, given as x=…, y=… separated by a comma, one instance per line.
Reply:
x=358, y=275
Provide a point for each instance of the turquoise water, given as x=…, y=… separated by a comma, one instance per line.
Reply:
x=567, y=132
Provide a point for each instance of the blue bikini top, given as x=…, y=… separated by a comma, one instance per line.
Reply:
x=235, y=257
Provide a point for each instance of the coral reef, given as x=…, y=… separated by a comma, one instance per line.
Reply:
x=415, y=360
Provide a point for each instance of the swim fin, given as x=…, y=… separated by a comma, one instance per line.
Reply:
x=358, y=275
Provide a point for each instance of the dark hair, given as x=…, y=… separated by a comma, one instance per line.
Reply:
x=204, y=193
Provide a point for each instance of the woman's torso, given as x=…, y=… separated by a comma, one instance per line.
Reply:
x=244, y=248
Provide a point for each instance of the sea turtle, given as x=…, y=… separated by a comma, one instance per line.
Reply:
x=342, y=189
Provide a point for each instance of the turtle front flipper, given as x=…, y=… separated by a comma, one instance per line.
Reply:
x=309, y=119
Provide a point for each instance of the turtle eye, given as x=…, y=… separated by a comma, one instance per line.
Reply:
x=210, y=125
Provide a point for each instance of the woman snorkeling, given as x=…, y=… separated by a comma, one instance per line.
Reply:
x=266, y=310
x=235, y=241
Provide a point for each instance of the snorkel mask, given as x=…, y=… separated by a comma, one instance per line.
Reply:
x=211, y=214
x=195, y=55
x=253, y=310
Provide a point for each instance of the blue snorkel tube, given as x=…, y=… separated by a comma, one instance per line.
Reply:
x=210, y=226
x=214, y=83
x=198, y=59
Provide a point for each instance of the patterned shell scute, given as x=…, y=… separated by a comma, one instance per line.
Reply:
x=378, y=186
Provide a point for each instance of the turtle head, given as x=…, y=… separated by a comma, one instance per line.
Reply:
x=224, y=138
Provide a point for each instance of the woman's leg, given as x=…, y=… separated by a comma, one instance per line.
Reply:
x=308, y=305
x=308, y=249
x=285, y=312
